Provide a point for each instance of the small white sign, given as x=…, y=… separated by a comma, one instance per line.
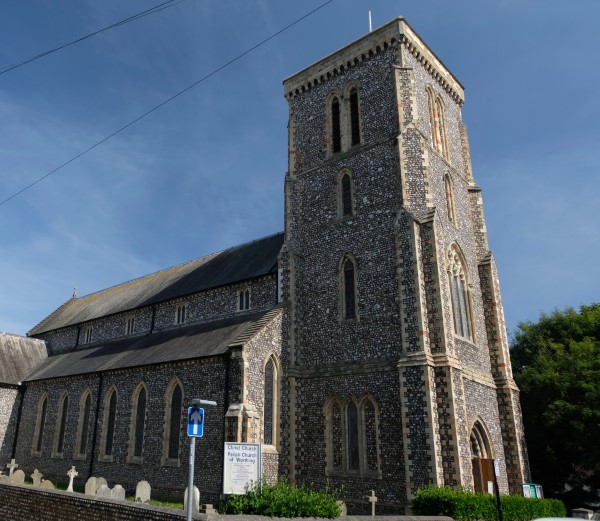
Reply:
x=241, y=467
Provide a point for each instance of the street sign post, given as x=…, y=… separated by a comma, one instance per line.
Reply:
x=195, y=430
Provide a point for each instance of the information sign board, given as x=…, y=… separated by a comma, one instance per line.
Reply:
x=241, y=467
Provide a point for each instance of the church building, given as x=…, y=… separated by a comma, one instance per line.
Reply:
x=364, y=346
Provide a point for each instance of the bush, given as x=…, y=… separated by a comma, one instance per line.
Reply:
x=282, y=500
x=467, y=506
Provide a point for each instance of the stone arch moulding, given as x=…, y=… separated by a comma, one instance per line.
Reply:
x=109, y=423
x=354, y=109
x=137, y=424
x=334, y=122
x=83, y=424
x=348, y=288
x=174, y=399
x=40, y=423
x=271, y=403
x=459, y=282
x=60, y=428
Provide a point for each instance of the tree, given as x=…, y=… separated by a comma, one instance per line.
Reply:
x=556, y=363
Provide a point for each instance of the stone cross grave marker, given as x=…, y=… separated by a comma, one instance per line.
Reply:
x=12, y=466
x=372, y=500
x=46, y=483
x=118, y=492
x=91, y=486
x=196, y=504
x=72, y=474
x=37, y=478
x=142, y=492
x=18, y=477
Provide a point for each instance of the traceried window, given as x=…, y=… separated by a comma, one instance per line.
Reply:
x=61, y=426
x=437, y=123
x=108, y=425
x=348, y=288
x=352, y=437
x=40, y=424
x=181, y=313
x=172, y=432
x=460, y=293
x=345, y=196
x=244, y=299
x=130, y=326
x=138, y=421
x=449, y=198
x=354, y=117
x=83, y=425
x=336, y=126
x=271, y=402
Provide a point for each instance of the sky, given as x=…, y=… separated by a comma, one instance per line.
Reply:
x=205, y=171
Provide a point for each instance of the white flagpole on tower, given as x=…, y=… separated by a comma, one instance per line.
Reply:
x=370, y=23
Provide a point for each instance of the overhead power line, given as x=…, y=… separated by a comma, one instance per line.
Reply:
x=152, y=10
x=168, y=100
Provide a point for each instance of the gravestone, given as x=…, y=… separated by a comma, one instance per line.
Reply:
x=196, y=505
x=104, y=491
x=118, y=492
x=3, y=477
x=142, y=492
x=11, y=466
x=37, y=478
x=372, y=500
x=91, y=486
x=100, y=482
x=46, y=483
x=72, y=474
x=18, y=477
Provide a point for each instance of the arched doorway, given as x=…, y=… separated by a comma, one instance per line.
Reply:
x=482, y=459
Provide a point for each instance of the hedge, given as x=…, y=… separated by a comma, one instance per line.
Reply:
x=467, y=506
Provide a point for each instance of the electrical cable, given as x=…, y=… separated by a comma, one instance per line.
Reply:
x=152, y=10
x=168, y=100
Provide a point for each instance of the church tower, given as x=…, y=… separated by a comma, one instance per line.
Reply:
x=394, y=344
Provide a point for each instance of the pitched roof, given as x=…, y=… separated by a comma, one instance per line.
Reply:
x=236, y=264
x=182, y=343
x=18, y=356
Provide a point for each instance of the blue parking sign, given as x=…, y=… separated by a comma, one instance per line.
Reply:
x=195, y=422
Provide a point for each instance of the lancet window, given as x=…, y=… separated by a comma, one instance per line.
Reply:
x=460, y=293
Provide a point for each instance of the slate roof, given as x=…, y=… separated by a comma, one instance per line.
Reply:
x=182, y=343
x=18, y=356
x=243, y=262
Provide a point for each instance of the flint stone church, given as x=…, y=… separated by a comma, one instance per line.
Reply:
x=364, y=346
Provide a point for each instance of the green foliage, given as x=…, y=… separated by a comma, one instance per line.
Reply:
x=467, y=506
x=282, y=500
x=556, y=364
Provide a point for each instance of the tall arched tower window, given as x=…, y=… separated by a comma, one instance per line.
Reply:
x=432, y=117
x=354, y=116
x=40, y=423
x=459, y=290
x=85, y=406
x=109, y=425
x=345, y=195
x=336, y=126
x=449, y=198
x=172, y=433
x=61, y=426
x=441, y=128
x=348, y=289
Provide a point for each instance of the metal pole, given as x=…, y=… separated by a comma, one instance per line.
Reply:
x=497, y=490
x=191, y=496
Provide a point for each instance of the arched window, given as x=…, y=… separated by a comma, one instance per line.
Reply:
x=459, y=290
x=271, y=402
x=139, y=400
x=244, y=299
x=173, y=414
x=61, y=426
x=83, y=424
x=336, y=127
x=449, y=198
x=40, y=423
x=181, y=313
x=432, y=117
x=441, y=128
x=348, y=289
x=108, y=425
x=354, y=116
x=352, y=437
x=345, y=196
x=482, y=458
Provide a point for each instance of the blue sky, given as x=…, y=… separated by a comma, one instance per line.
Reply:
x=206, y=171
